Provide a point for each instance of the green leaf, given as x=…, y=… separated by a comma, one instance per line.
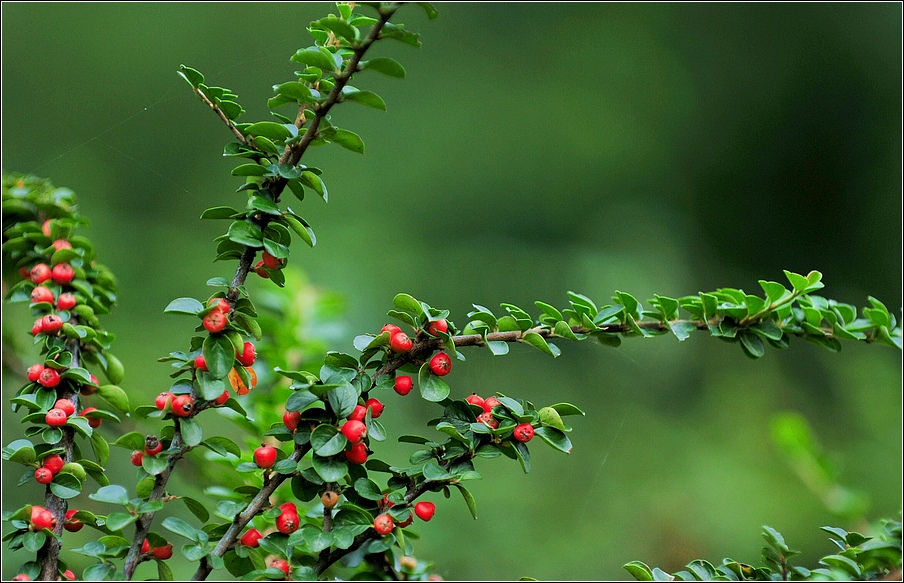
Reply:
x=432, y=387
x=115, y=396
x=540, y=343
x=20, y=451
x=752, y=344
x=119, y=520
x=65, y=486
x=183, y=529
x=269, y=129
x=306, y=233
x=326, y=440
x=640, y=571
x=112, y=494
x=682, y=329
x=329, y=469
x=368, y=98
x=469, y=500
x=386, y=66
x=196, y=508
x=219, y=212
x=264, y=205
x=192, y=76
x=406, y=302
x=33, y=541
x=154, y=465
x=244, y=233
x=554, y=437
x=315, y=183
x=219, y=355
x=566, y=409
x=296, y=91
x=368, y=489
x=313, y=57
x=429, y=10
x=188, y=306
x=348, y=140
x=191, y=432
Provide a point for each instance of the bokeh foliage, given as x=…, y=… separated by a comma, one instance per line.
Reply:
x=533, y=149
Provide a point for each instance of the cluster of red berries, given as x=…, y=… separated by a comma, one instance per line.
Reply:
x=267, y=263
x=152, y=446
x=50, y=467
x=218, y=317
x=523, y=432
x=400, y=343
x=64, y=408
x=160, y=553
x=384, y=523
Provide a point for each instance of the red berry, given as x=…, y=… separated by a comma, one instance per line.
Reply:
x=357, y=454
x=386, y=502
x=425, y=510
x=90, y=389
x=215, y=321
x=436, y=327
x=145, y=546
x=66, y=301
x=251, y=537
x=358, y=413
x=25, y=272
x=400, y=343
x=49, y=377
x=287, y=522
x=221, y=304
x=281, y=565
x=391, y=328
x=41, y=273
x=66, y=405
x=440, y=364
x=92, y=421
x=21, y=577
x=62, y=273
x=163, y=553
x=45, y=227
x=489, y=403
x=43, y=476
x=475, y=399
x=69, y=575
x=54, y=463
x=152, y=445
x=41, y=294
x=375, y=406
x=265, y=456
x=329, y=499
x=383, y=524
x=200, y=363
x=163, y=399
x=291, y=419
x=183, y=405
x=407, y=521
x=34, y=372
x=43, y=519
x=248, y=355
x=136, y=458
x=55, y=417
x=261, y=270
x=487, y=419
x=61, y=244
x=270, y=262
x=403, y=385
x=354, y=431
x=73, y=524
x=37, y=327
x=524, y=432
x=289, y=507
x=222, y=398
x=35, y=511
x=51, y=323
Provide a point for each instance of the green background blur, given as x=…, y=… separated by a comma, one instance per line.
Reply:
x=532, y=149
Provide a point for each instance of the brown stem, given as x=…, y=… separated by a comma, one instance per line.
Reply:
x=226, y=120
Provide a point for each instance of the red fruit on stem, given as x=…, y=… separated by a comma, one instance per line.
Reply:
x=35, y=511
x=25, y=272
x=329, y=499
x=270, y=262
x=487, y=419
x=61, y=244
x=403, y=385
x=21, y=577
x=400, y=343
x=440, y=364
x=163, y=399
x=287, y=522
x=66, y=301
x=358, y=413
x=489, y=403
x=391, y=328
x=34, y=372
x=66, y=405
x=43, y=476
x=62, y=273
x=92, y=421
x=145, y=546
x=407, y=521
x=261, y=270
x=49, y=378
x=136, y=458
x=90, y=389
x=265, y=456
x=354, y=431
x=73, y=524
x=291, y=419
x=221, y=400
x=163, y=553
x=51, y=324
x=69, y=575
x=220, y=303
x=289, y=507
x=200, y=363
x=54, y=463
x=42, y=294
x=40, y=273
x=383, y=524
x=215, y=321
x=43, y=519
x=281, y=565
x=425, y=510
x=152, y=445
x=357, y=454
x=45, y=227
x=375, y=406
x=248, y=355
x=475, y=399
x=439, y=326
x=523, y=432
x=386, y=502
x=37, y=327
x=251, y=538
x=55, y=417
x=183, y=405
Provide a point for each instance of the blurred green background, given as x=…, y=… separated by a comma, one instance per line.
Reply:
x=532, y=149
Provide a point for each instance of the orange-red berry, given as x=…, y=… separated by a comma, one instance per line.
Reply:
x=400, y=343
x=183, y=405
x=34, y=372
x=523, y=432
x=265, y=456
x=73, y=524
x=383, y=524
x=66, y=301
x=43, y=476
x=251, y=538
x=248, y=355
x=92, y=421
x=425, y=510
x=440, y=364
x=54, y=463
x=62, y=273
x=291, y=419
x=42, y=294
x=354, y=431
x=403, y=385
x=375, y=406
x=55, y=417
x=136, y=458
x=436, y=327
x=357, y=454
x=41, y=273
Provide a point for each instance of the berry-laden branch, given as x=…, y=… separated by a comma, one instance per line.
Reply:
x=66, y=290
